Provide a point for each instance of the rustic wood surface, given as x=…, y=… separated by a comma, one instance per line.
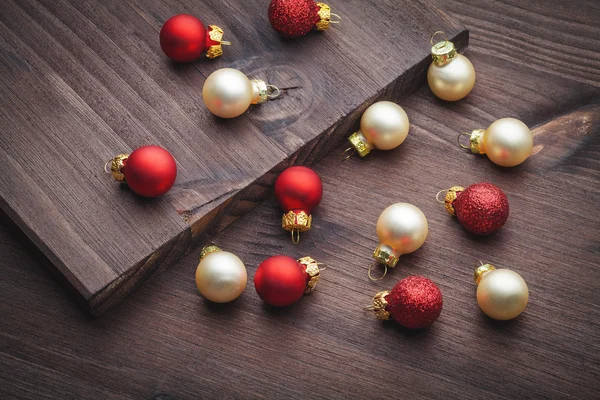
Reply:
x=84, y=81
x=537, y=61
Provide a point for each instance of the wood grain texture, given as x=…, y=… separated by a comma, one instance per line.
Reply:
x=84, y=81
x=166, y=342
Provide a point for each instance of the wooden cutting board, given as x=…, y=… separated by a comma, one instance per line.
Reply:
x=84, y=81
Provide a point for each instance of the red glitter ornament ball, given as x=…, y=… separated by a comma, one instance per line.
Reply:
x=415, y=302
x=280, y=281
x=293, y=18
x=150, y=171
x=481, y=208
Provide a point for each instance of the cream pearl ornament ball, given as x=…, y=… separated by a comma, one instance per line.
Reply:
x=401, y=228
x=221, y=276
x=502, y=294
x=228, y=93
x=383, y=126
x=507, y=142
x=451, y=75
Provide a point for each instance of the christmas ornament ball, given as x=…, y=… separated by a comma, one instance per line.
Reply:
x=451, y=81
x=508, y=142
x=150, y=171
x=227, y=93
x=221, y=276
x=415, y=302
x=183, y=38
x=385, y=125
x=298, y=189
x=280, y=281
x=502, y=294
x=401, y=228
x=482, y=208
x=293, y=18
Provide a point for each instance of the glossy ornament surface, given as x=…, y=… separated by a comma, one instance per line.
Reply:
x=507, y=142
x=228, y=93
x=280, y=281
x=451, y=76
x=149, y=171
x=221, y=276
x=183, y=38
x=502, y=294
x=384, y=126
x=298, y=191
x=401, y=228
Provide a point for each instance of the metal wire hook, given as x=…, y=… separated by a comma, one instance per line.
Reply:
x=295, y=236
x=381, y=277
x=275, y=90
x=352, y=152
x=458, y=140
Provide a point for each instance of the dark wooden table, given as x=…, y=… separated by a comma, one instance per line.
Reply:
x=538, y=62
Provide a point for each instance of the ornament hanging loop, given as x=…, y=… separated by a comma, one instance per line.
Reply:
x=335, y=21
x=273, y=92
x=460, y=143
x=436, y=33
x=322, y=269
x=346, y=155
x=437, y=196
x=295, y=236
x=371, y=276
x=225, y=43
x=106, y=167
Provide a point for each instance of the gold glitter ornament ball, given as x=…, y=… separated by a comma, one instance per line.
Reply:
x=450, y=76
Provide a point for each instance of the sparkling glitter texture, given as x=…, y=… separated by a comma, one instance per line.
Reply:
x=293, y=18
x=481, y=208
x=415, y=302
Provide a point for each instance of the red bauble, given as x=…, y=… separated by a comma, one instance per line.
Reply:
x=293, y=18
x=280, y=281
x=298, y=189
x=415, y=302
x=184, y=38
x=481, y=208
x=150, y=171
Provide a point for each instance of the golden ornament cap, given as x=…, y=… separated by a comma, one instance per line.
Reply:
x=116, y=167
x=476, y=141
x=260, y=92
x=360, y=144
x=444, y=51
x=312, y=269
x=215, y=35
x=299, y=222
x=380, y=304
x=451, y=195
x=383, y=254
x=209, y=249
x=324, y=14
x=481, y=271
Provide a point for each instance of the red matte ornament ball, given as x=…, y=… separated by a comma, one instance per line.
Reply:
x=481, y=208
x=298, y=189
x=415, y=302
x=293, y=18
x=183, y=38
x=280, y=281
x=150, y=171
